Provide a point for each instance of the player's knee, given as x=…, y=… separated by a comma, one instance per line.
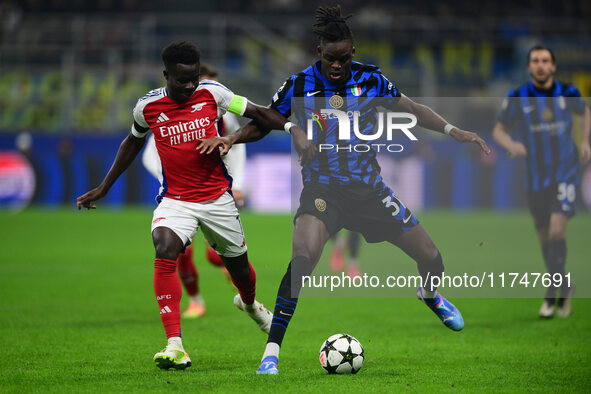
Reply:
x=166, y=249
x=556, y=235
x=309, y=250
x=238, y=266
x=430, y=251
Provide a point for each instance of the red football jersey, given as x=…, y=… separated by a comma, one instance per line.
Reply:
x=187, y=174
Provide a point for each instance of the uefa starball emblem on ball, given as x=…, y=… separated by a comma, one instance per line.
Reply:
x=341, y=354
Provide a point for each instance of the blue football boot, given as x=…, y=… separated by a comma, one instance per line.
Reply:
x=268, y=366
x=445, y=310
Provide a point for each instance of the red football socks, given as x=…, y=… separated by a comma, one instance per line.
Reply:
x=167, y=288
x=188, y=271
x=247, y=287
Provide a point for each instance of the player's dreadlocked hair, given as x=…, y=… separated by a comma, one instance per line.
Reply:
x=330, y=26
x=182, y=52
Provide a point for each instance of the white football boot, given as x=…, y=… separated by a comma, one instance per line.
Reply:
x=257, y=312
x=546, y=310
x=565, y=307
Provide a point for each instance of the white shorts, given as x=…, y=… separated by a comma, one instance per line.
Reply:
x=218, y=219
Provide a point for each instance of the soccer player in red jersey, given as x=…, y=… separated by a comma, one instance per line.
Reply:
x=197, y=187
x=235, y=161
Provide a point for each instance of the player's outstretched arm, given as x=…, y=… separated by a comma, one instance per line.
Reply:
x=269, y=118
x=264, y=120
x=128, y=150
x=501, y=137
x=249, y=133
x=429, y=119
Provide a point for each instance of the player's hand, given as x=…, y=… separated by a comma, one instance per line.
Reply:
x=304, y=147
x=517, y=149
x=585, y=152
x=88, y=198
x=468, y=136
x=239, y=198
x=210, y=144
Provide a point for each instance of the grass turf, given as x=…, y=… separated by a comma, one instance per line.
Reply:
x=78, y=315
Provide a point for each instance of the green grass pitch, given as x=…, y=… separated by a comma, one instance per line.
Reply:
x=78, y=314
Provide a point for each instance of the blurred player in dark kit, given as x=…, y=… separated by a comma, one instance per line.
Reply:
x=542, y=111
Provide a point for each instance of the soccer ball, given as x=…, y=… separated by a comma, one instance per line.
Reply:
x=341, y=354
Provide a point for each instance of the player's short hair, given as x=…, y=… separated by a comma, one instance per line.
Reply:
x=205, y=70
x=182, y=52
x=540, y=48
x=330, y=26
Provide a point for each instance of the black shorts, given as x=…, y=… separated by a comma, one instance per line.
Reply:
x=357, y=207
x=558, y=198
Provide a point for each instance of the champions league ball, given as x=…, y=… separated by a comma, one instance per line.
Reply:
x=341, y=354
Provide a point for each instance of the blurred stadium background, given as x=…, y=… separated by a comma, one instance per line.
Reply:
x=71, y=71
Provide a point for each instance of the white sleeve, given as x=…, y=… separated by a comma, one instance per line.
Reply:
x=226, y=100
x=138, y=117
x=151, y=159
x=236, y=158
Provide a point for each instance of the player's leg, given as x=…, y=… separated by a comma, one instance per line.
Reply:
x=167, y=288
x=215, y=259
x=190, y=278
x=212, y=256
x=222, y=229
x=557, y=260
x=309, y=237
x=548, y=305
x=173, y=226
x=419, y=246
x=353, y=243
x=541, y=204
x=243, y=276
x=337, y=256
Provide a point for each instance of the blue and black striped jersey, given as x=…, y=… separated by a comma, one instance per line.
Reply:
x=338, y=166
x=545, y=121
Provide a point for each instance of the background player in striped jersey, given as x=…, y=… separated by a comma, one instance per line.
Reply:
x=542, y=110
x=197, y=187
x=235, y=161
x=345, y=188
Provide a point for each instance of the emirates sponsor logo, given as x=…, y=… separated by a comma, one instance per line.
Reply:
x=182, y=127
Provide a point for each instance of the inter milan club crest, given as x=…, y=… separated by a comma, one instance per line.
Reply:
x=548, y=115
x=320, y=204
x=336, y=101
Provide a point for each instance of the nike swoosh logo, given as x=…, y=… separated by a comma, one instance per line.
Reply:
x=447, y=318
x=406, y=220
x=312, y=93
x=286, y=314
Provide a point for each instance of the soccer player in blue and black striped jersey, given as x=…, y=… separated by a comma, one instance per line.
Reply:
x=542, y=111
x=343, y=188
